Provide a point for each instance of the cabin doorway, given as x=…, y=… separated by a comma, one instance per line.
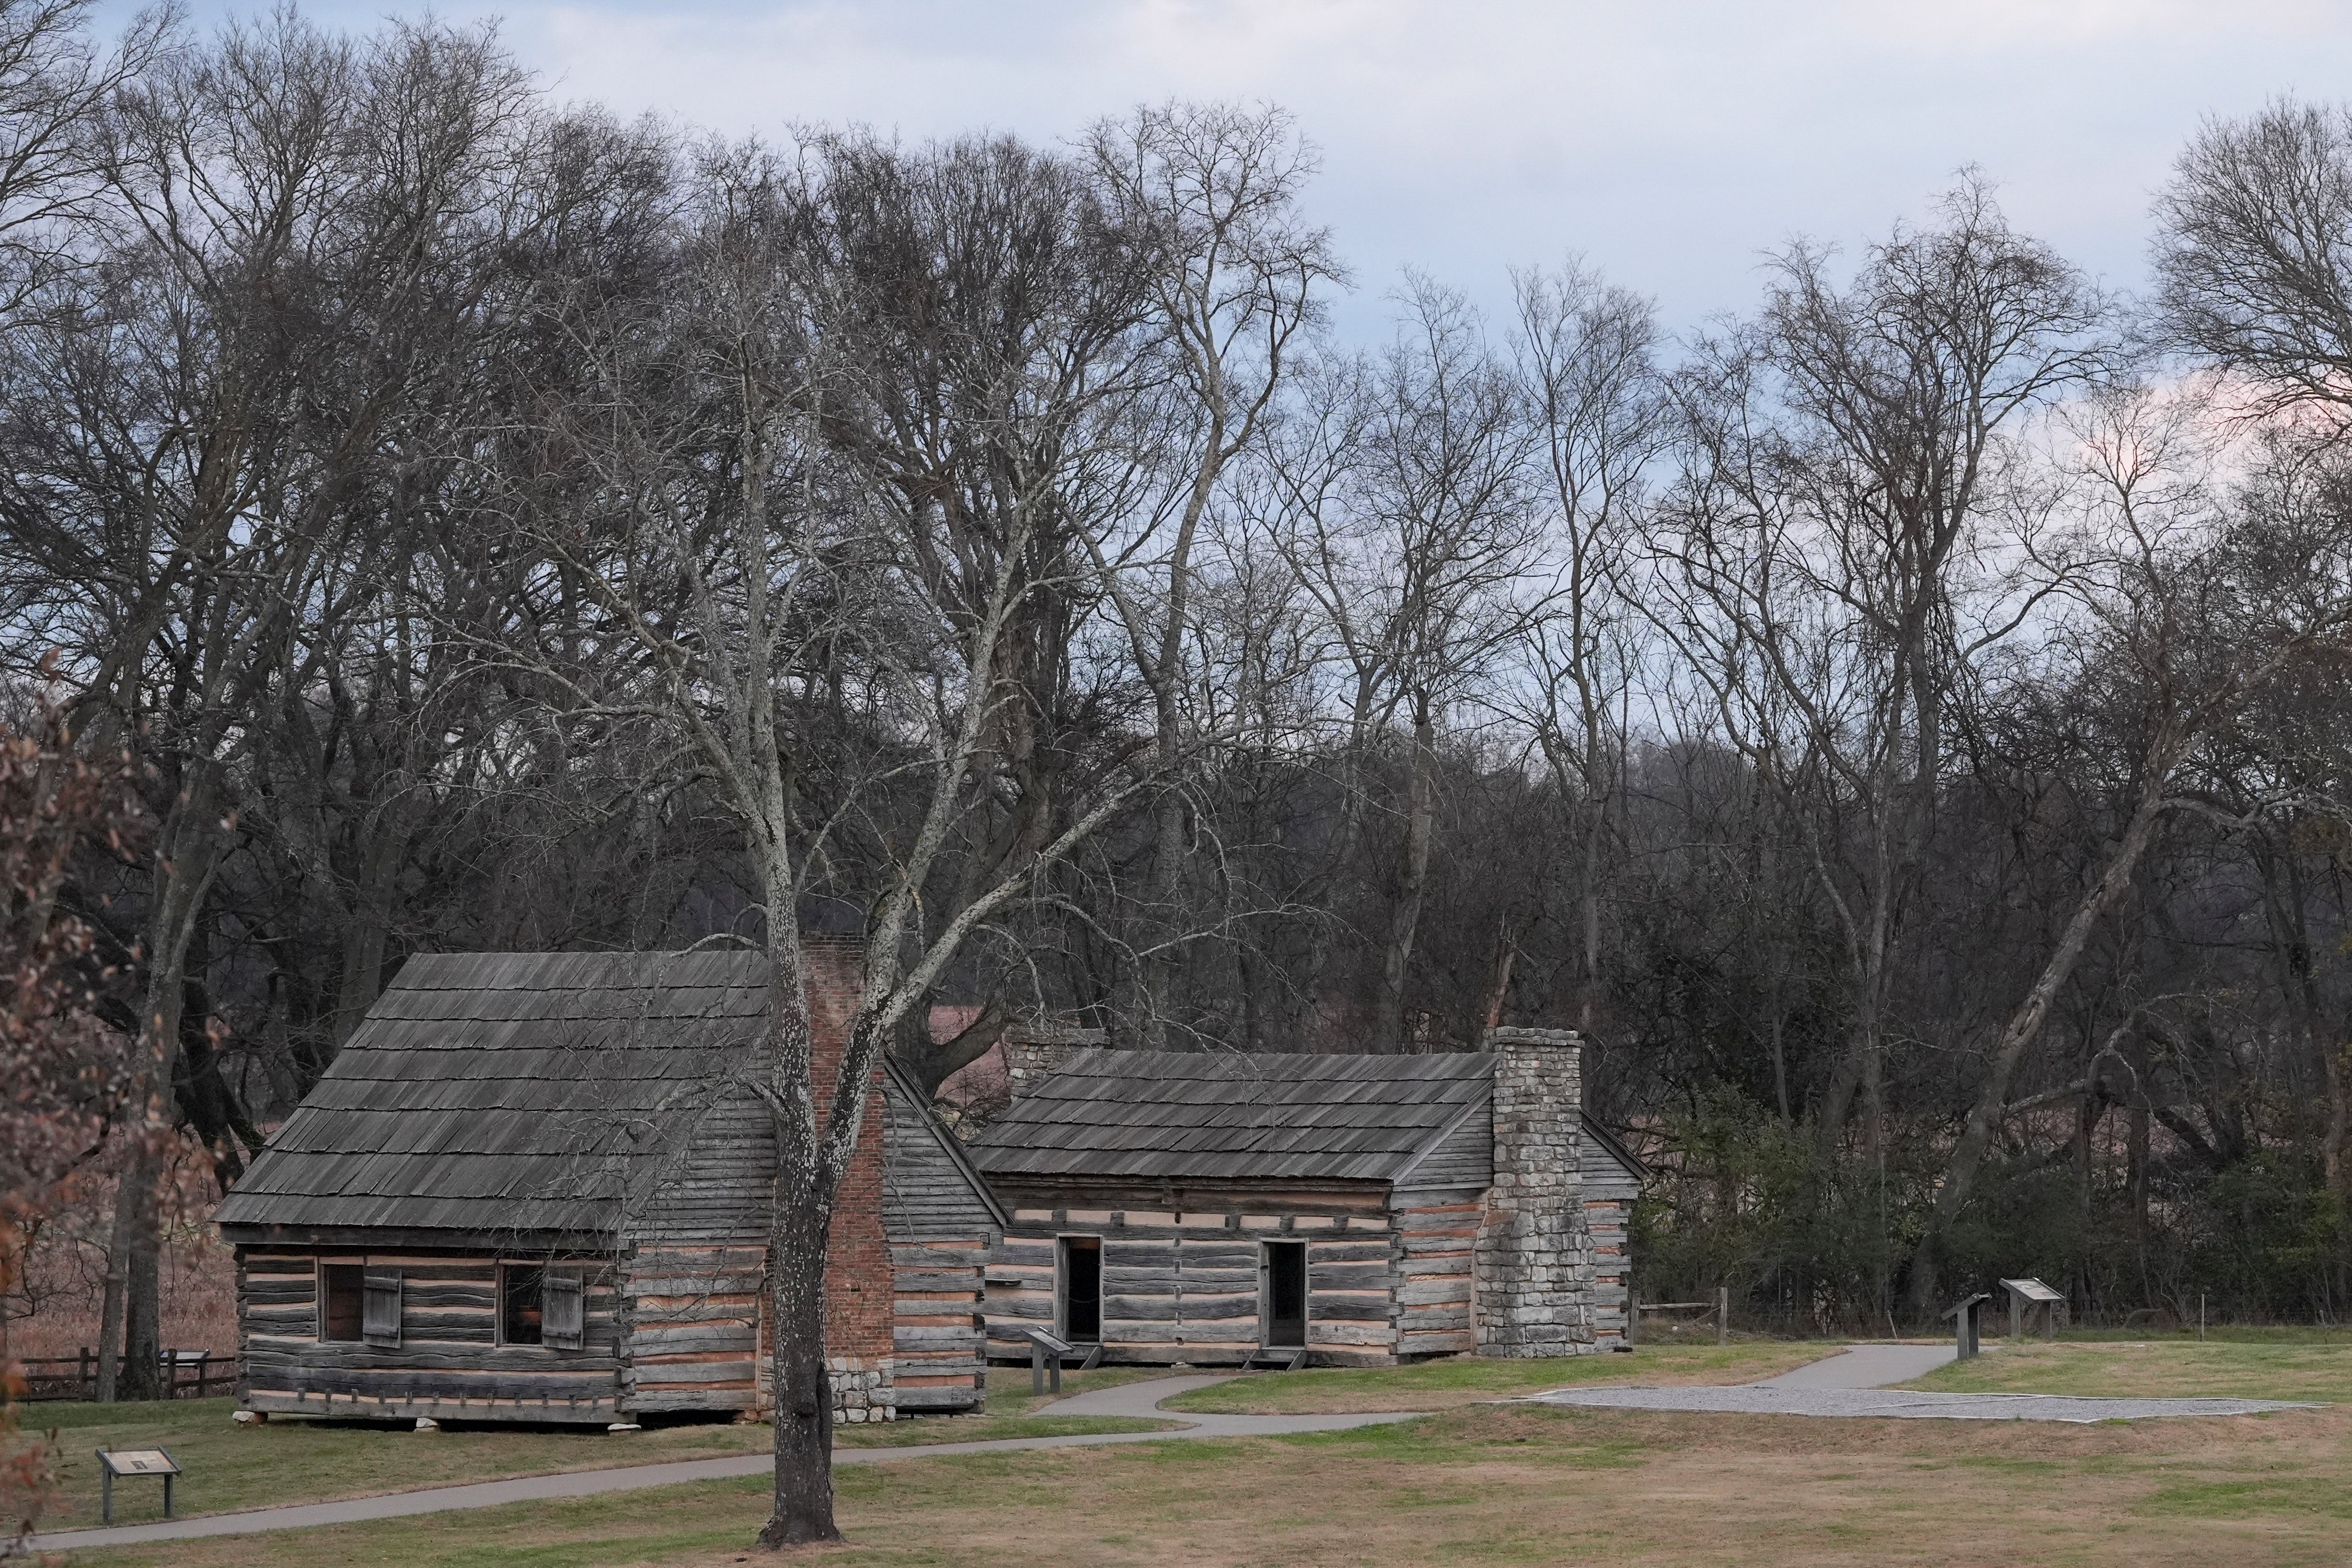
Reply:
x=1082, y=1290
x=1285, y=1293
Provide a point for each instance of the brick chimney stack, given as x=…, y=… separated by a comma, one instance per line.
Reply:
x=1535, y=1281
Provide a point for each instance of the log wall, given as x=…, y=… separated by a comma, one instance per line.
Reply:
x=1180, y=1275
x=449, y=1364
x=1610, y=1192
x=694, y=1266
x=940, y=1231
x=1437, y=1236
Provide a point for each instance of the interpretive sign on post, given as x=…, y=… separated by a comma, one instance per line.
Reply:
x=113, y=1462
x=1047, y=1353
x=1965, y=1327
x=2031, y=1301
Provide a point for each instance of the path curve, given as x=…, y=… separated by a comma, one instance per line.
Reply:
x=1137, y=1399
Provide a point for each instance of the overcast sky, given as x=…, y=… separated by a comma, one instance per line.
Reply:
x=1672, y=143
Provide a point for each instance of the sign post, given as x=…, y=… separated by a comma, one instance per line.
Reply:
x=113, y=1462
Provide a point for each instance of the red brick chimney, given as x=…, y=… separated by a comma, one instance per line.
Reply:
x=858, y=1278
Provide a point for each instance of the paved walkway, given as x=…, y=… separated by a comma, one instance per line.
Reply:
x=1864, y=1366
x=1851, y=1383
x=1854, y=1383
x=1135, y=1399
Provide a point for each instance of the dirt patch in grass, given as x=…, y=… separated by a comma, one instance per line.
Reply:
x=2304, y=1367
x=1493, y=1485
x=1469, y=1379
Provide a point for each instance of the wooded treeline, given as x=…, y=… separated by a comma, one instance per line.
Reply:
x=1902, y=724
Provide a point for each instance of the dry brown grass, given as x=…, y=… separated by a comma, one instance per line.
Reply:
x=232, y=1468
x=1494, y=1484
x=2294, y=1365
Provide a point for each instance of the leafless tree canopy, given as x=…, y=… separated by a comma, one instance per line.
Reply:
x=1900, y=724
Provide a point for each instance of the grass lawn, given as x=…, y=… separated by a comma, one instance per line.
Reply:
x=289, y=1461
x=1511, y=1485
x=1444, y=1384
x=2243, y=1364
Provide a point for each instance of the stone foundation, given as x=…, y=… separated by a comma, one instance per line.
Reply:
x=862, y=1389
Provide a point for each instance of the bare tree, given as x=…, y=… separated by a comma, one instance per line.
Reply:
x=55, y=81
x=842, y=456
x=1410, y=527
x=287, y=215
x=2184, y=625
x=1214, y=191
x=1587, y=368
x=1852, y=539
x=2254, y=253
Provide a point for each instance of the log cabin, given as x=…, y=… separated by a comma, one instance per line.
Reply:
x=1328, y=1210
x=536, y=1188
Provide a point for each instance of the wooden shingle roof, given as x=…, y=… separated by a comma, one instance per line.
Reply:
x=1206, y=1115
x=508, y=1093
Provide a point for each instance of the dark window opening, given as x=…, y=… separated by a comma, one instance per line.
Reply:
x=1285, y=1293
x=521, y=1304
x=1082, y=1288
x=343, y=1296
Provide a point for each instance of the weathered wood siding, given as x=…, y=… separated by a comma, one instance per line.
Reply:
x=1437, y=1237
x=448, y=1363
x=1610, y=1192
x=693, y=1326
x=1463, y=1158
x=1179, y=1270
x=940, y=1231
x=696, y=1265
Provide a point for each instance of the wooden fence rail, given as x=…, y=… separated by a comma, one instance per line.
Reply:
x=187, y=1374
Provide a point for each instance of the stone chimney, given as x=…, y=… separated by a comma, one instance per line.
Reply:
x=1535, y=1283
x=1034, y=1051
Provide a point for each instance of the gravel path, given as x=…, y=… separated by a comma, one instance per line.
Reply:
x=1864, y=1366
x=1140, y=1399
x=1756, y=1399
x=1854, y=1383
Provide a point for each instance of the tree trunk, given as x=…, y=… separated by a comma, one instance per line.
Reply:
x=1404, y=922
x=802, y=1507
x=186, y=853
x=1588, y=1003
x=1858, y=1071
x=2024, y=1026
x=1166, y=923
x=1167, y=671
x=117, y=1272
x=1323, y=933
x=2136, y=1165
